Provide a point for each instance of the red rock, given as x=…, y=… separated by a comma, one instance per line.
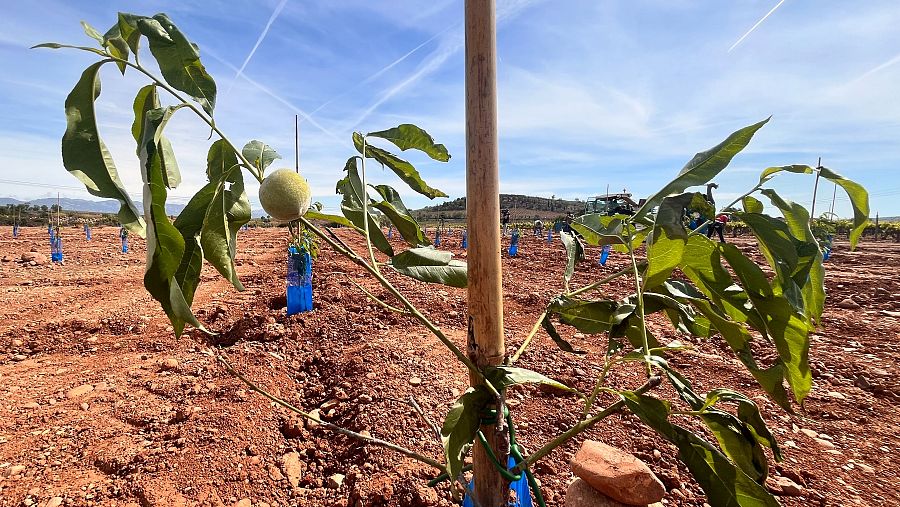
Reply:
x=617, y=474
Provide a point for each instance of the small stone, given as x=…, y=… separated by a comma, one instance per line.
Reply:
x=657, y=454
x=75, y=392
x=865, y=468
x=169, y=363
x=836, y=395
x=581, y=494
x=38, y=259
x=244, y=502
x=824, y=443
x=56, y=501
x=617, y=474
x=335, y=481
x=19, y=357
x=314, y=413
x=17, y=343
x=415, y=381
x=784, y=486
x=31, y=405
x=809, y=433
x=849, y=304
x=15, y=470
x=85, y=406
x=293, y=468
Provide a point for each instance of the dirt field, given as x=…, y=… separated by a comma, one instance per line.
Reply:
x=101, y=405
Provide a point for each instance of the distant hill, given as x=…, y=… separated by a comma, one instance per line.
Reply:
x=85, y=205
x=521, y=207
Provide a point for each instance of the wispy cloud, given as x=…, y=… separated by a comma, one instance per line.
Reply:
x=259, y=40
x=754, y=27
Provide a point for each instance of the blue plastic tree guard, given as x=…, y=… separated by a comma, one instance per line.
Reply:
x=299, y=281
x=465, y=240
x=604, y=254
x=16, y=230
x=56, y=252
x=390, y=232
x=550, y=235
x=514, y=243
x=124, y=244
x=49, y=229
x=87, y=232
x=519, y=487
x=437, y=238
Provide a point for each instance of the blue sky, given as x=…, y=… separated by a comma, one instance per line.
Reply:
x=592, y=92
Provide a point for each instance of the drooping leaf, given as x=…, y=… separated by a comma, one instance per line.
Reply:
x=568, y=241
x=393, y=208
x=504, y=376
x=663, y=256
x=431, y=265
x=190, y=223
x=229, y=209
x=704, y=166
x=179, y=60
x=318, y=215
x=147, y=100
x=85, y=155
x=165, y=243
x=770, y=172
x=859, y=199
x=723, y=482
x=588, y=316
x=408, y=136
x=403, y=169
x=260, y=154
x=127, y=30
x=598, y=229
x=351, y=187
x=460, y=426
x=557, y=339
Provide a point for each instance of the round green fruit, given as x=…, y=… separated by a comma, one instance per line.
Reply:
x=285, y=195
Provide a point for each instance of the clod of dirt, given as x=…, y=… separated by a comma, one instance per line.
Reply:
x=35, y=257
x=848, y=304
x=169, y=363
x=75, y=392
x=293, y=468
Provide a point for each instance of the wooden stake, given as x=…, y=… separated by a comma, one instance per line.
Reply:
x=485, y=300
x=812, y=209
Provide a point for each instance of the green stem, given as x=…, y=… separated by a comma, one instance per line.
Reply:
x=365, y=205
x=582, y=426
x=353, y=256
x=324, y=424
x=534, y=330
x=598, y=386
x=598, y=283
x=640, y=305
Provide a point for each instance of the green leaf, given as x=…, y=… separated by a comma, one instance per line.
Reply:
x=179, y=60
x=127, y=30
x=165, y=243
x=318, y=215
x=504, y=376
x=401, y=168
x=408, y=136
x=92, y=32
x=260, y=154
x=147, y=100
x=430, y=265
x=663, y=256
x=56, y=45
x=770, y=172
x=85, y=155
x=460, y=426
x=670, y=216
x=704, y=166
x=393, y=208
x=190, y=223
x=752, y=204
x=557, y=339
x=568, y=241
x=229, y=209
x=859, y=199
x=351, y=187
x=588, y=316
x=723, y=483
x=600, y=229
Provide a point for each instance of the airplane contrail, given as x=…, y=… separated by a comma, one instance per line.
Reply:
x=259, y=40
x=883, y=66
x=754, y=27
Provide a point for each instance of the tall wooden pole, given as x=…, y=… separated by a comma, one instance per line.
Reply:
x=485, y=345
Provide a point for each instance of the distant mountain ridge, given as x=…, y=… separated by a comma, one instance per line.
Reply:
x=91, y=206
x=519, y=206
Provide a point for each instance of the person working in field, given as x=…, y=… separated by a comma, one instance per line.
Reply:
x=718, y=226
x=538, y=228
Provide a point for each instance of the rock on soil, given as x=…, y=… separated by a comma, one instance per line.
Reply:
x=581, y=494
x=849, y=304
x=36, y=257
x=75, y=392
x=293, y=468
x=784, y=486
x=617, y=474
